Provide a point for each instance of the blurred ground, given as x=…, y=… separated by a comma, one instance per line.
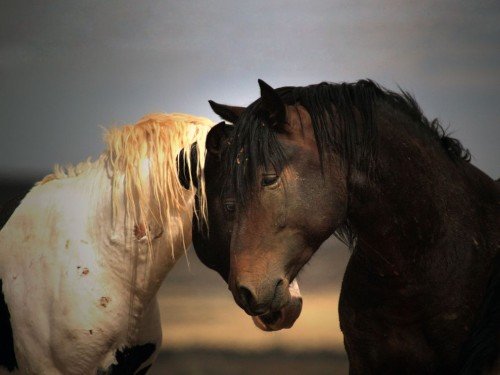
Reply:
x=271, y=362
x=205, y=332
x=198, y=309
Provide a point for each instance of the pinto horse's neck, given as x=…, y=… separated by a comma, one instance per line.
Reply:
x=136, y=262
x=426, y=232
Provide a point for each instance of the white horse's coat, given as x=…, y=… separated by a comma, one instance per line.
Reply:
x=80, y=274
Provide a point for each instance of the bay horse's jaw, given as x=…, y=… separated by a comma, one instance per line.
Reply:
x=286, y=316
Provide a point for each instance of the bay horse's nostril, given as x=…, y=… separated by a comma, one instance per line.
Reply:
x=249, y=302
x=246, y=297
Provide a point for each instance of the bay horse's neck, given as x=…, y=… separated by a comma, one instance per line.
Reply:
x=417, y=196
x=427, y=233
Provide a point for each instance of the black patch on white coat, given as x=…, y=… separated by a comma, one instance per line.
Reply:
x=129, y=360
x=144, y=370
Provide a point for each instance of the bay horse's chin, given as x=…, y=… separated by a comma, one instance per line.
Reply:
x=286, y=316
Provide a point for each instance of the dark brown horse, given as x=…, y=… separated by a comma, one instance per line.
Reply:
x=421, y=290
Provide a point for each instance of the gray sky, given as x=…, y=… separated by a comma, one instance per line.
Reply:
x=69, y=67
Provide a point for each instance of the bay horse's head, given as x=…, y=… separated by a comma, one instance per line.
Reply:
x=286, y=200
x=212, y=242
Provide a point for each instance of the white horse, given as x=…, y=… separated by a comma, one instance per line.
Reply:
x=84, y=254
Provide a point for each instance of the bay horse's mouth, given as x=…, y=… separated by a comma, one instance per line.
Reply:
x=286, y=316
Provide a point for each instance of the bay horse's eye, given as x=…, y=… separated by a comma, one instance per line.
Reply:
x=270, y=179
x=229, y=205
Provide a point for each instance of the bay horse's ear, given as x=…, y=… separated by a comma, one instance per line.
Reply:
x=216, y=137
x=273, y=105
x=227, y=112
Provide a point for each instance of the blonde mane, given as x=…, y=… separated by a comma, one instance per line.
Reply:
x=68, y=171
x=147, y=154
x=142, y=158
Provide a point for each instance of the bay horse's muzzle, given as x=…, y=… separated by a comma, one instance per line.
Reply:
x=286, y=316
x=274, y=310
x=262, y=300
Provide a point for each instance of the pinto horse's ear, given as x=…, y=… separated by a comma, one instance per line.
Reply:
x=272, y=104
x=227, y=112
x=216, y=137
x=186, y=178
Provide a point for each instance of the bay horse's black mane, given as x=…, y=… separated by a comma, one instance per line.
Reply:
x=343, y=121
x=348, y=106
